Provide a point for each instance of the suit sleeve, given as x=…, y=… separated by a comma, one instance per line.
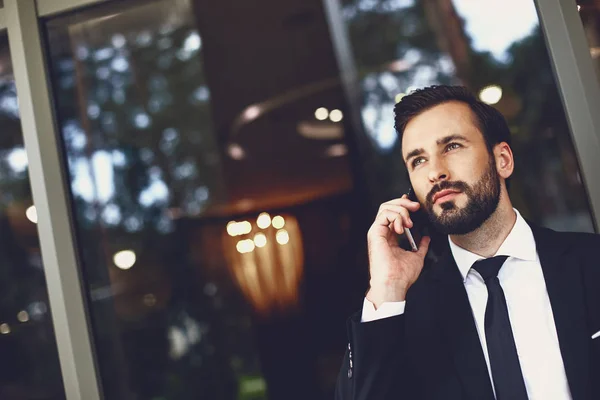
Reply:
x=375, y=366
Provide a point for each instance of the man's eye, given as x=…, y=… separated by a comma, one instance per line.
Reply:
x=417, y=161
x=453, y=146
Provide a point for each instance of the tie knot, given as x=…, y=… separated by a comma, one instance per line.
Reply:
x=489, y=267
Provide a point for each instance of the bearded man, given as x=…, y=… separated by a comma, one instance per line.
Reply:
x=510, y=312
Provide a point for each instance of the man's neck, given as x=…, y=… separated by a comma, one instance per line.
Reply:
x=487, y=239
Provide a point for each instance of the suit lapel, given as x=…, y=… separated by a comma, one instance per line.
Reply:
x=458, y=323
x=565, y=290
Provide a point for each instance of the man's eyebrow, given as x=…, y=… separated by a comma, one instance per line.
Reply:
x=439, y=142
x=414, y=153
x=450, y=138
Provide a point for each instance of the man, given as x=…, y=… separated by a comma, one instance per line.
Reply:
x=511, y=311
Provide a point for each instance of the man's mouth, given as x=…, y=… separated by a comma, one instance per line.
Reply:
x=445, y=195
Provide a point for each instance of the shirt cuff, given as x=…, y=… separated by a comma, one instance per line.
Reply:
x=386, y=310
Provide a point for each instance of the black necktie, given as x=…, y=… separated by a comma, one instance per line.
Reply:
x=504, y=360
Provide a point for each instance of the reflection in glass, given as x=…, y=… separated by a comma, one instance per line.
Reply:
x=29, y=365
x=135, y=118
x=215, y=185
x=266, y=262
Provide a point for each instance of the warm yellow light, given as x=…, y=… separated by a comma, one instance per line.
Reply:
x=238, y=228
x=282, y=236
x=321, y=113
x=245, y=246
x=232, y=228
x=399, y=97
x=22, y=316
x=124, y=259
x=4, y=329
x=263, y=221
x=244, y=228
x=31, y=214
x=278, y=222
x=260, y=240
x=336, y=115
x=490, y=94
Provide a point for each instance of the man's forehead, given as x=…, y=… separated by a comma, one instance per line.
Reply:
x=437, y=122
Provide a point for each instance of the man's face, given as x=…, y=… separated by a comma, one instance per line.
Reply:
x=451, y=170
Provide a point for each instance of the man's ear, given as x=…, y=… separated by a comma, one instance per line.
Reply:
x=505, y=163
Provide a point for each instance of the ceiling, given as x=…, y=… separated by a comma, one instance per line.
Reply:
x=276, y=54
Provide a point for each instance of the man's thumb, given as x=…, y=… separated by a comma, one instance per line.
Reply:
x=424, y=246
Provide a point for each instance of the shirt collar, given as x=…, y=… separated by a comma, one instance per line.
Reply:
x=519, y=243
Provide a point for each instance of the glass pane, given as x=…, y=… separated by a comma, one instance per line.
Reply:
x=29, y=366
x=180, y=133
x=589, y=12
x=183, y=123
x=497, y=50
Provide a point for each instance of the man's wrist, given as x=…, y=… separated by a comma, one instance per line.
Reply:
x=379, y=294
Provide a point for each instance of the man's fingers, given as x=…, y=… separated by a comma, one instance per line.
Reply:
x=424, y=246
x=404, y=202
x=399, y=226
x=385, y=217
x=391, y=220
x=399, y=210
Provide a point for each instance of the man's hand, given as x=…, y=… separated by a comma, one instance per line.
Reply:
x=393, y=269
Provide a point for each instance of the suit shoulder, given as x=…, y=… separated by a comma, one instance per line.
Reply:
x=583, y=240
x=579, y=241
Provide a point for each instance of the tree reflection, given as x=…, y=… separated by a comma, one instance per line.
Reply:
x=134, y=144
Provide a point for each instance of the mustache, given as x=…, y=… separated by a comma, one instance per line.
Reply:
x=445, y=185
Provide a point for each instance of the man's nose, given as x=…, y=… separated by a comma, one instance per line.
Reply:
x=438, y=171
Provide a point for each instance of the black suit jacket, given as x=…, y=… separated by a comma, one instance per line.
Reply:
x=433, y=351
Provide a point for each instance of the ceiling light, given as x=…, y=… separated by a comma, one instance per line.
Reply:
x=260, y=240
x=245, y=246
x=490, y=94
x=238, y=228
x=263, y=221
x=31, y=214
x=321, y=113
x=282, y=237
x=23, y=316
x=278, y=222
x=124, y=259
x=336, y=115
x=252, y=112
x=236, y=151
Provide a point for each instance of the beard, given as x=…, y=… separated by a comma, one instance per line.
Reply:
x=482, y=201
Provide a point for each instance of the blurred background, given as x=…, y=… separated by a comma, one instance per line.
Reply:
x=225, y=161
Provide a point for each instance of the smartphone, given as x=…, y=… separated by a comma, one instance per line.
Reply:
x=411, y=238
x=421, y=225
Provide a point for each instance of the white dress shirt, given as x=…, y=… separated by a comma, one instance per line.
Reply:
x=528, y=305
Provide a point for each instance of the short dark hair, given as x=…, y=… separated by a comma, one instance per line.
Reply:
x=489, y=120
